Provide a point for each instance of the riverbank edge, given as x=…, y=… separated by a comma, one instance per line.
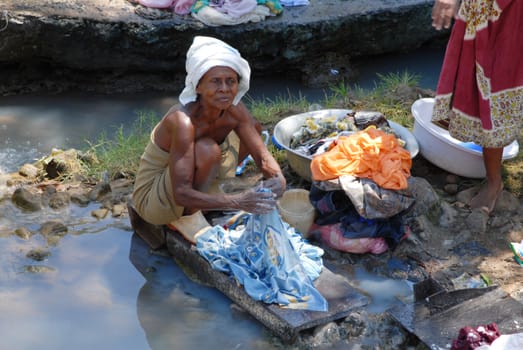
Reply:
x=110, y=47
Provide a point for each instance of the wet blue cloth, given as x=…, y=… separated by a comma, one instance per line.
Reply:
x=267, y=257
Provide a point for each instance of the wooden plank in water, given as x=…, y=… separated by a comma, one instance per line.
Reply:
x=153, y=235
x=285, y=323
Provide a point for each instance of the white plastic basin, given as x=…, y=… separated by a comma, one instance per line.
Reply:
x=438, y=147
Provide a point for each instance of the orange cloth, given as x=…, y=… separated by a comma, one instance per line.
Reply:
x=370, y=153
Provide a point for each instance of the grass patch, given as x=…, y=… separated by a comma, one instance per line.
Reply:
x=119, y=155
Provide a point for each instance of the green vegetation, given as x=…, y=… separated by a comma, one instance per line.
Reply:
x=120, y=154
x=392, y=95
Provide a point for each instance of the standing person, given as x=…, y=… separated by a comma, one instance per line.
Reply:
x=480, y=89
x=202, y=140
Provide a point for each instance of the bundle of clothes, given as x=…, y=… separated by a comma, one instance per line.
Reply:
x=360, y=183
x=223, y=12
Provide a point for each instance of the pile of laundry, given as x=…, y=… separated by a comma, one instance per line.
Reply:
x=361, y=190
x=223, y=12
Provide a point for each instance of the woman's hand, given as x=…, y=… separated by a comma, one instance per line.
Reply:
x=254, y=201
x=276, y=184
x=442, y=13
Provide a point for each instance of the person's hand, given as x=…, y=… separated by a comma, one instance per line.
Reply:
x=276, y=184
x=442, y=13
x=254, y=201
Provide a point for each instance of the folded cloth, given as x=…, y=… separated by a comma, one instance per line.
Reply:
x=191, y=226
x=206, y=53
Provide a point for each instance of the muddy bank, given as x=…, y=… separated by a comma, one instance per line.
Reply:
x=120, y=47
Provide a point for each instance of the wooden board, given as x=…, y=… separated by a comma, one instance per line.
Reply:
x=342, y=298
x=286, y=323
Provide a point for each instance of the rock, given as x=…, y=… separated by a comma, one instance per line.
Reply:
x=99, y=190
x=23, y=233
x=38, y=269
x=477, y=221
x=61, y=163
x=53, y=228
x=28, y=170
x=38, y=254
x=466, y=195
x=59, y=200
x=448, y=215
x=118, y=210
x=100, y=213
x=326, y=334
x=451, y=188
x=26, y=200
x=452, y=179
x=80, y=199
x=507, y=203
x=427, y=200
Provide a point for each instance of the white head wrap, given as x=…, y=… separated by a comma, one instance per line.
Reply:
x=205, y=53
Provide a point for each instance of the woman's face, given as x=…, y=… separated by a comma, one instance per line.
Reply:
x=218, y=86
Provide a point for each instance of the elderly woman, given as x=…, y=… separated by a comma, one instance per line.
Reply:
x=480, y=89
x=202, y=141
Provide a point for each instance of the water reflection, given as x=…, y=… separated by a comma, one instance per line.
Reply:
x=177, y=313
x=84, y=298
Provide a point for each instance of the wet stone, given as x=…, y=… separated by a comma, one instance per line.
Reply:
x=23, y=233
x=100, y=213
x=355, y=324
x=118, y=210
x=100, y=190
x=38, y=269
x=53, y=228
x=326, y=334
x=38, y=254
x=59, y=200
x=80, y=199
x=26, y=200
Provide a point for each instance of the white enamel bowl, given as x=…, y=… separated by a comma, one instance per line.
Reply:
x=299, y=162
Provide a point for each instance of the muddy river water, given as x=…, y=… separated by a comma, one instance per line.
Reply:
x=98, y=287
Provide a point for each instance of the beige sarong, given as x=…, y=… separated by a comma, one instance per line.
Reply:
x=153, y=196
